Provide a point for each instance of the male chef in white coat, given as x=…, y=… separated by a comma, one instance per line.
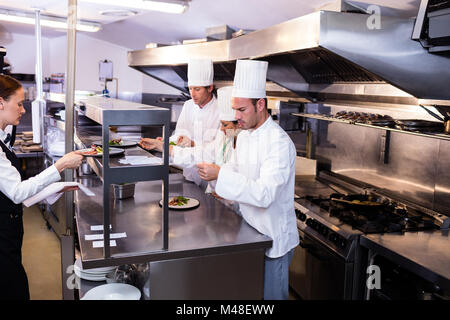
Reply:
x=261, y=177
x=199, y=121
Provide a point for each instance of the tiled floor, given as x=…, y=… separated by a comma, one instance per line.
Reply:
x=41, y=256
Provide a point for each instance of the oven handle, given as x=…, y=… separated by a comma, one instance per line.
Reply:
x=310, y=248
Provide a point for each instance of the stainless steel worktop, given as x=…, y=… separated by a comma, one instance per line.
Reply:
x=212, y=228
x=424, y=253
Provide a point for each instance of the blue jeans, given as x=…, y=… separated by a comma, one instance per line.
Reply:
x=276, y=277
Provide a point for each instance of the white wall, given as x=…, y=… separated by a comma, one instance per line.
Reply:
x=21, y=55
x=21, y=52
x=89, y=52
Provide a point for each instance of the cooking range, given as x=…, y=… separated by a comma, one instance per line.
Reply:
x=332, y=212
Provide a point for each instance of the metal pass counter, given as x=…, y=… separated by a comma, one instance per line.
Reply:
x=213, y=253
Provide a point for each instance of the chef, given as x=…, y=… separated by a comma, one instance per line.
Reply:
x=198, y=122
x=261, y=176
x=218, y=151
x=13, y=279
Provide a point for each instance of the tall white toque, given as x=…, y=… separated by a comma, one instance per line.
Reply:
x=224, y=101
x=250, y=79
x=200, y=72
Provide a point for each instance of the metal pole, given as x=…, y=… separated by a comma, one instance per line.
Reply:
x=38, y=105
x=69, y=255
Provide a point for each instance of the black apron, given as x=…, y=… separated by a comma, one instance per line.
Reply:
x=13, y=279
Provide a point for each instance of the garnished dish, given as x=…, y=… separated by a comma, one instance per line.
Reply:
x=93, y=151
x=116, y=142
x=97, y=151
x=178, y=201
x=181, y=203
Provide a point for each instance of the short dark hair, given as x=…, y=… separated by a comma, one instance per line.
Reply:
x=254, y=101
x=8, y=86
x=214, y=90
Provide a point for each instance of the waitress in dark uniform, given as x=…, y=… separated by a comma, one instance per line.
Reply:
x=13, y=279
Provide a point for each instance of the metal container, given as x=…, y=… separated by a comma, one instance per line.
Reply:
x=86, y=169
x=123, y=191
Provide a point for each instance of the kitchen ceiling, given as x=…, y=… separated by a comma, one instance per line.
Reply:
x=136, y=31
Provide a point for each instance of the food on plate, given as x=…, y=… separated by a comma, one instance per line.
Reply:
x=172, y=143
x=116, y=142
x=93, y=151
x=178, y=201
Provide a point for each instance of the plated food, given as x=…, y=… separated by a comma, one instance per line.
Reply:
x=178, y=201
x=97, y=151
x=117, y=142
x=182, y=203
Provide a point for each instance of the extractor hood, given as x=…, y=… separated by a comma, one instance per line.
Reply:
x=323, y=54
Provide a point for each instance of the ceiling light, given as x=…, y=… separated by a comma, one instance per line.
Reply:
x=118, y=13
x=168, y=6
x=46, y=21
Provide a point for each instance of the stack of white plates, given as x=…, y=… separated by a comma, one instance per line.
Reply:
x=97, y=274
x=113, y=291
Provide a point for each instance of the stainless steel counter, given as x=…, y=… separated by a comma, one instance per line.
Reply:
x=212, y=228
x=426, y=253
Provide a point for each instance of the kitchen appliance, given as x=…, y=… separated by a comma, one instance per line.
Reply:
x=332, y=213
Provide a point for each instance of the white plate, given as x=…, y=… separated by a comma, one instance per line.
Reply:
x=191, y=204
x=95, y=271
x=89, y=277
x=113, y=291
x=124, y=143
x=112, y=151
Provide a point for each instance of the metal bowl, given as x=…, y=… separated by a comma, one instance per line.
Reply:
x=123, y=191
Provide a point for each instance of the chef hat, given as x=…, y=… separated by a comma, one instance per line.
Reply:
x=250, y=79
x=224, y=101
x=200, y=72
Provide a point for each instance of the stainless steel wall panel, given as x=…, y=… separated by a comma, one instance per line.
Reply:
x=417, y=168
x=442, y=190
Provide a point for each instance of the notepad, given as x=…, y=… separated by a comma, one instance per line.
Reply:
x=52, y=193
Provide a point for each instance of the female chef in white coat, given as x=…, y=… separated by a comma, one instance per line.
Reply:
x=219, y=151
x=261, y=177
x=13, y=279
x=199, y=119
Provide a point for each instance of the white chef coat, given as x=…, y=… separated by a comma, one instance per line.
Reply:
x=261, y=178
x=218, y=151
x=198, y=124
x=12, y=185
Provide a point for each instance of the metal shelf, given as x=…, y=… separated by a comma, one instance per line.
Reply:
x=112, y=112
x=441, y=136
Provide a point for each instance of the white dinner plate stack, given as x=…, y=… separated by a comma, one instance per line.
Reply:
x=97, y=274
x=113, y=291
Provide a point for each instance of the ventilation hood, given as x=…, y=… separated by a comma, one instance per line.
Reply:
x=319, y=56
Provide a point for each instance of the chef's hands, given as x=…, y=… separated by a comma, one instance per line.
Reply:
x=215, y=195
x=185, y=142
x=72, y=160
x=151, y=144
x=208, y=171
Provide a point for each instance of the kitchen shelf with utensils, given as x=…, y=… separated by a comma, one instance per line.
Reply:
x=434, y=135
x=112, y=171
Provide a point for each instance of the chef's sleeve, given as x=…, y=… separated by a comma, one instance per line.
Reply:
x=182, y=127
x=189, y=157
x=275, y=171
x=17, y=190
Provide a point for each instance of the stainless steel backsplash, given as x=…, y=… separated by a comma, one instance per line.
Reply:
x=416, y=168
